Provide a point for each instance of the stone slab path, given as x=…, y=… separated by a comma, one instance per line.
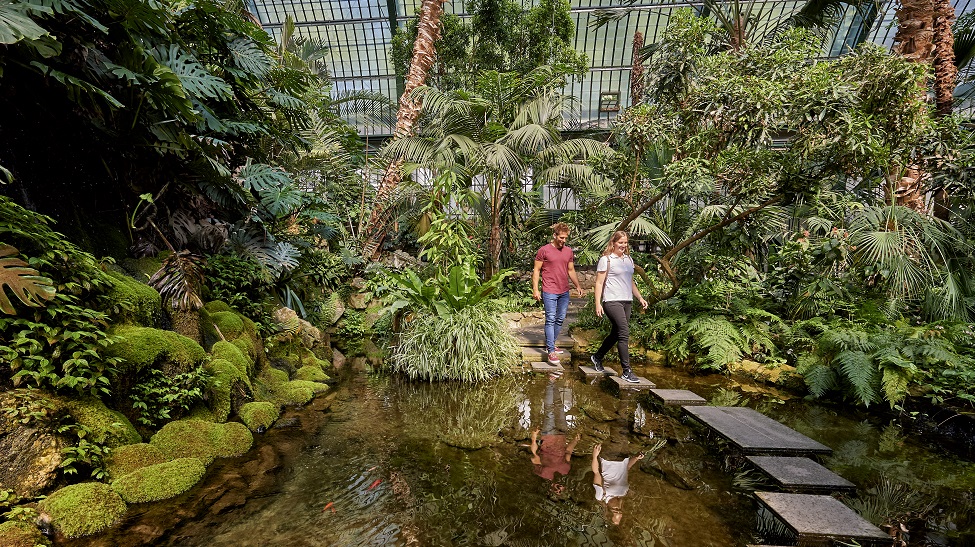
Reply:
x=627, y=386
x=819, y=519
x=543, y=367
x=590, y=372
x=755, y=433
x=677, y=397
x=801, y=475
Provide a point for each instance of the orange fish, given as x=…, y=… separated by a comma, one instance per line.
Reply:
x=374, y=484
x=329, y=505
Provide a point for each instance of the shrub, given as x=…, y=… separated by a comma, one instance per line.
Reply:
x=259, y=416
x=83, y=509
x=160, y=481
x=126, y=459
x=469, y=344
x=161, y=397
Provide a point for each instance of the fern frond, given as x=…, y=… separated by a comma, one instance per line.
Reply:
x=859, y=371
x=720, y=340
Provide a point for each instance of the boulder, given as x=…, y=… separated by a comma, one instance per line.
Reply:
x=359, y=301
x=311, y=335
x=338, y=360
x=30, y=453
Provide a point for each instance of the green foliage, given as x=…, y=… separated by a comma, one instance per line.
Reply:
x=160, y=481
x=226, y=379
x=259, y=416
x=89, y=452
x=144, y=301
x=444, y=294
x=104, y=423
x=180, y=280
x=311, y=373
x=240, y=282
x=469, y=344
x=161, y=397
x=83, y=509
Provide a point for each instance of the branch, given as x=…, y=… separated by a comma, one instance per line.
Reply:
x=704, y=233
x=642, y=209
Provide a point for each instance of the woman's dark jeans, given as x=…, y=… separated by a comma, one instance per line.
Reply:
x=619, y=316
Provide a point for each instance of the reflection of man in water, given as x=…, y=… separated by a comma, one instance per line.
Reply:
x=610, y=479
x=552, y=454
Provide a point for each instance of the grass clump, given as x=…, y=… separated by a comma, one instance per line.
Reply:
x=126, y=459
x=259, y=416
x=160, y=481
x=83, y=509
x=469, y=344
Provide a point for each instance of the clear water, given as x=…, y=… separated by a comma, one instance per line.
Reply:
x=380, y=461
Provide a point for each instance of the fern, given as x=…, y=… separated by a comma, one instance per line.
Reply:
x=859, y=371
x=720, y=341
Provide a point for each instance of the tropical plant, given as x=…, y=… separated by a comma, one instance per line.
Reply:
x=443, y=294
x=159, y=398
x=23, y=282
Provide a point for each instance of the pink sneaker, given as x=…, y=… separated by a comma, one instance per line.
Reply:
x=553, y=358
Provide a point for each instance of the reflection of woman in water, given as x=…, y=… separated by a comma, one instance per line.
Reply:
x=552, y=454
x=610, y=479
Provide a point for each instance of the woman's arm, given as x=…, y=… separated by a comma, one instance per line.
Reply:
x=633, y=461
x=597, y=478
x=600, y=281
x=636, y=293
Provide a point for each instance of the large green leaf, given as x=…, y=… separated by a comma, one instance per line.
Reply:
x=196, y=79
x=248, y=56
x=282, y=200
x=261, y=177
x=16, y=24
x=25, y=283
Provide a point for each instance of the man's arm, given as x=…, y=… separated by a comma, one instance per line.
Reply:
x=571, y=447
x=535, y=273
x=575, y=279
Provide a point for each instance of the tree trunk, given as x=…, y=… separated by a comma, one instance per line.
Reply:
x=637, y=82
x=492, y=264
x=945, y=71
x=424, y=55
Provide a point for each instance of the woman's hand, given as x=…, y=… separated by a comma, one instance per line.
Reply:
x=644, y=303
x=595, y=449
x=599, y=309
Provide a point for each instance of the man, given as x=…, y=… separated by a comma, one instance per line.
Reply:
x=554, y=263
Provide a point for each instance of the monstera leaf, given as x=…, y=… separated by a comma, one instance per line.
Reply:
x=179, y=280
x=23, y=282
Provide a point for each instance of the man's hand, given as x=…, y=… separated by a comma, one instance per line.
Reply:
x=580, y=292
x=536, y=295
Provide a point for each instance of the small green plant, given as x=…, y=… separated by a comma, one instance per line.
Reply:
x=444, y=294
x=90, y=452
x=161, y=398
x=31, y=407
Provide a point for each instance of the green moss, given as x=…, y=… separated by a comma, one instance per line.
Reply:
x=233, y=439
x=230, y=352
x=246, y=346
x=311, y=373
x=92, y=413
x=216, y=306
x=297, y=392
x=229, y=323
x=258, y=416
x=83, y=509
x=143, y=302
x=126, y=459
x=20, y=534
x=142, y=347
x=201, y=439
x=272, y=376
x=142, y=268
x=160, y=481
x=225, y=376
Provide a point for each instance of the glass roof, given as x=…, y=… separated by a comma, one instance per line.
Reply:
x=359, y=34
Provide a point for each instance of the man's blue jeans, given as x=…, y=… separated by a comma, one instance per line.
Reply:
x=556, y=305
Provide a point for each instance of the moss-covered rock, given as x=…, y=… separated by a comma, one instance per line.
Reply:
x=135, y=302
x=92, y=413
x=259, y=416
x=247, y=347
x=216, y=306
x=230, y=324
x=126, y=459
x=201, y=439
x=232, y=439
x=297, y=392
x=227, y=380
x=142, y=347
x=20, y=534
x=83, y=509
x=273, y=376
x=230, y=352
x=160, y=481
x=143, y=268
x=311, y=373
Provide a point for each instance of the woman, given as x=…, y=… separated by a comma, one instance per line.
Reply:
x=611, y=481
x=615, y=290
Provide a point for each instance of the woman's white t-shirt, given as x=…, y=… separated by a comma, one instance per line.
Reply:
x=615, y=483
x=619, y=277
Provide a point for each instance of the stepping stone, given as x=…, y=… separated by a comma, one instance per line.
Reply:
x=539, y=354
x=755, y=433
x=590, y=372
x=624, y=385
x=678, y=397
x=817, y=519
x=533, y=339
x=801, y=475
x=546, y=368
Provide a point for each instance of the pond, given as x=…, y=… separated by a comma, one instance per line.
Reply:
x=380, y=461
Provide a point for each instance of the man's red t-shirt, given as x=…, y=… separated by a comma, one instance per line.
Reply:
x=555, y=268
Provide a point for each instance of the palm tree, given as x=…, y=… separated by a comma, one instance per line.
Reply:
x=424, y=55
x=507, y=136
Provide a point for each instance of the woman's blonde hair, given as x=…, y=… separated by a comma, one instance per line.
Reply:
x=611, y=246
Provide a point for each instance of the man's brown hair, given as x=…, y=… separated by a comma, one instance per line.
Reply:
x=559, y=227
